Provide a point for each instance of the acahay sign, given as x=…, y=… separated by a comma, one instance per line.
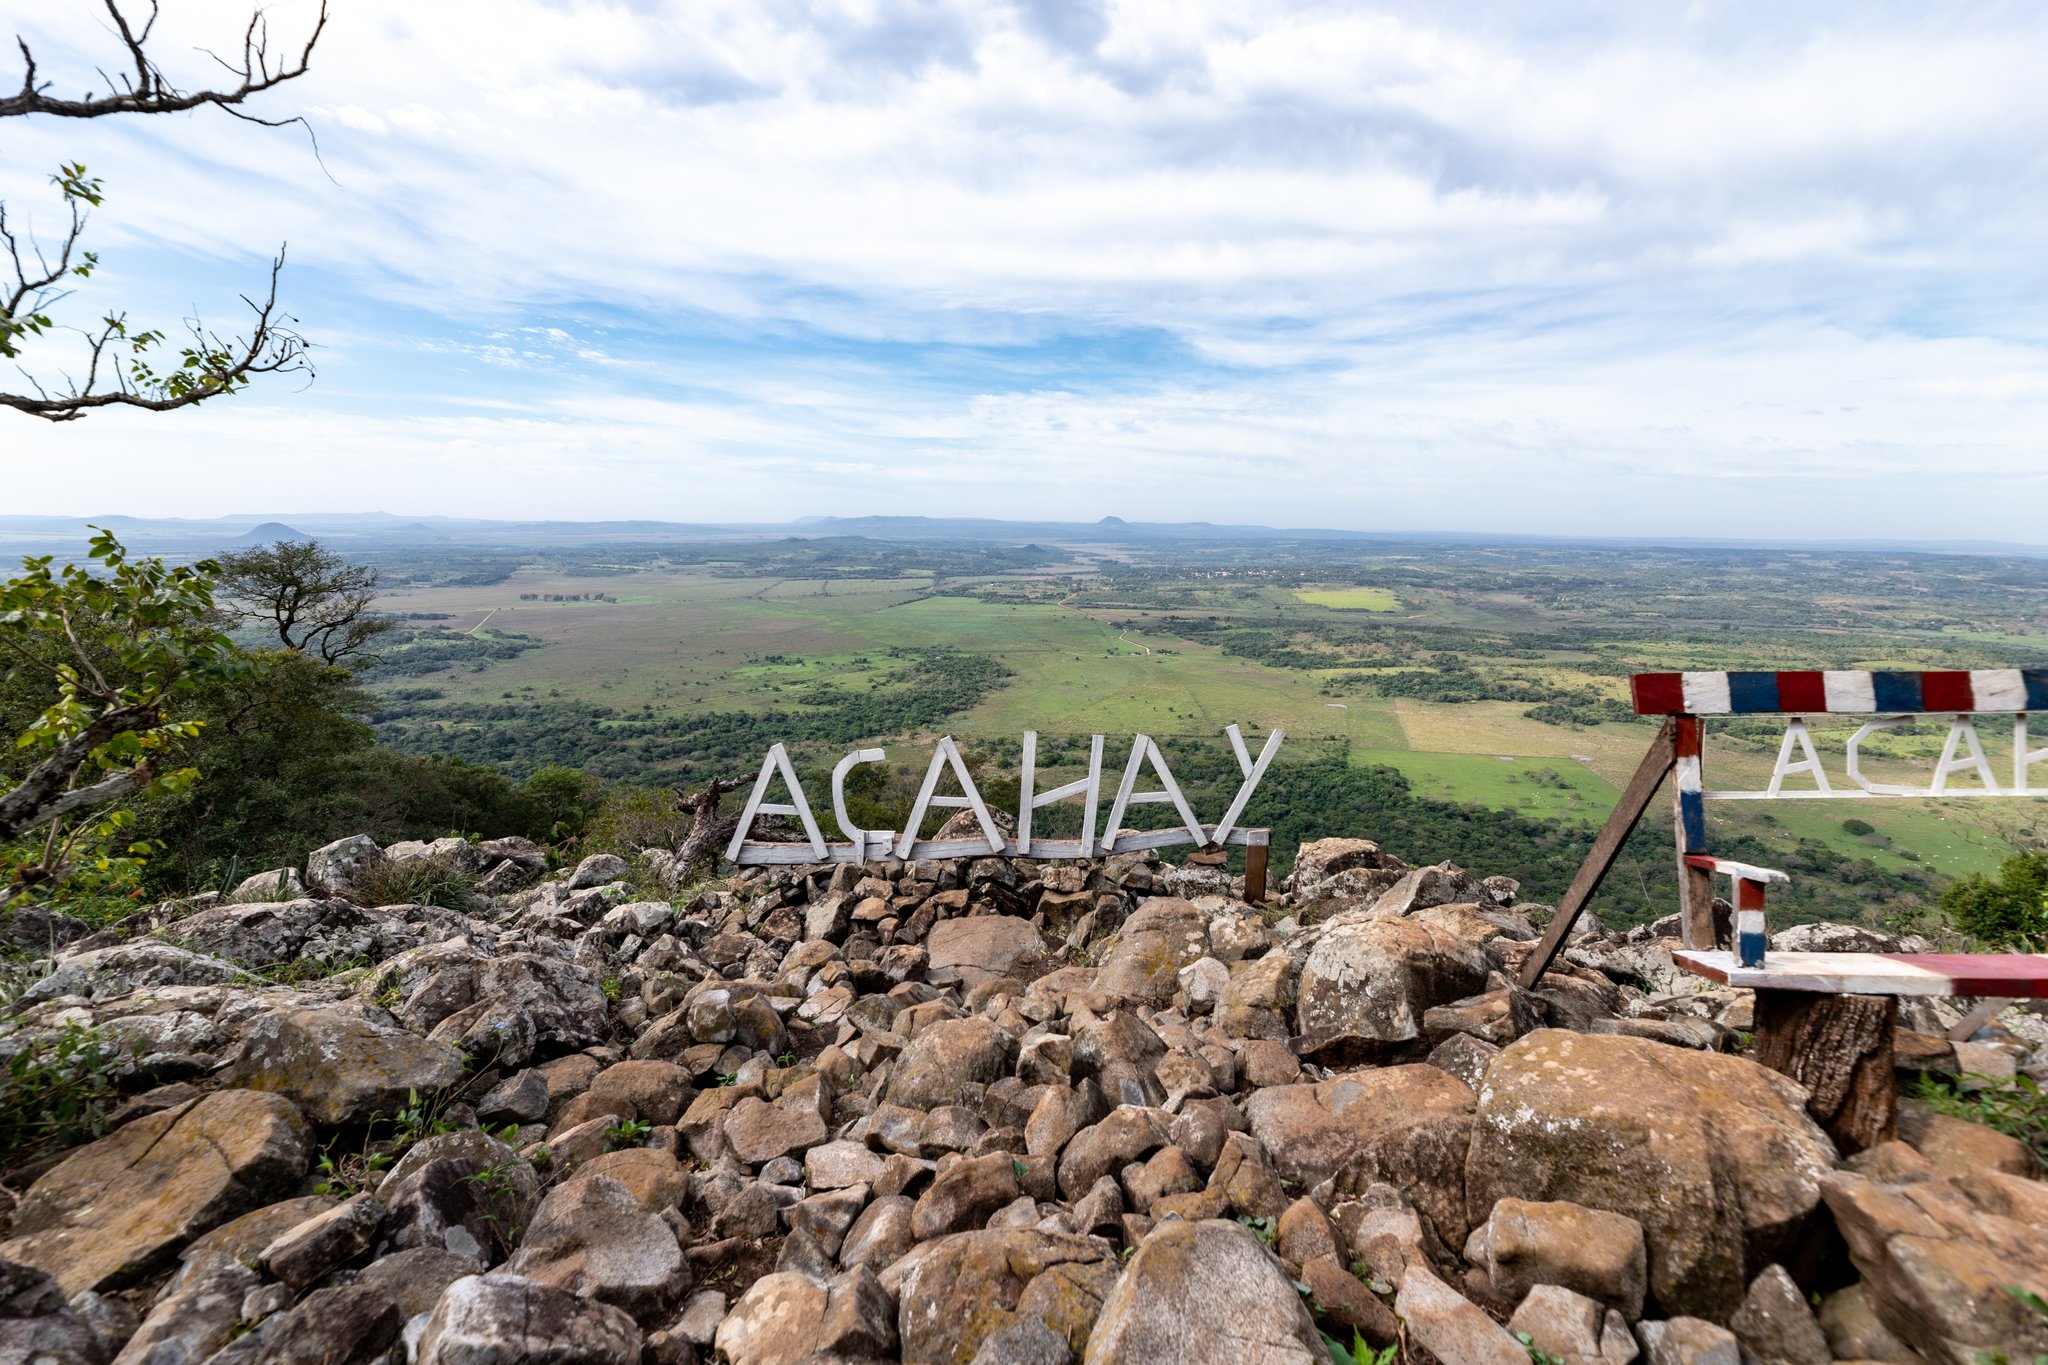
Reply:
x=865, y=844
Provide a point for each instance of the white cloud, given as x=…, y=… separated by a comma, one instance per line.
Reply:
x=1614, y=248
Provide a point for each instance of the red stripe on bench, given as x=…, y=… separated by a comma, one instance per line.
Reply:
x=2022, y=976
x=1658, y=694
x=1804, y=690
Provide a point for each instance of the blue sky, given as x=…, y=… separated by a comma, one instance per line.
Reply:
x=1575, y=268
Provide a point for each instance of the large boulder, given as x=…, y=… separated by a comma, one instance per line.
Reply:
x=113, y=1213
x=594, y=1238
x=511, y=1320
x=1204, y=1291
x=983, y=947
x=330, y=933
x=1940, y=1259
x=950, y=1062
x=1368, y=980
x=502, y=1008
x=337, y=867
x=1407, y=1126
x=1713, y=1155
x=123, y=969
x=1163, y=935
x=339, y=1068
x=955, y=1292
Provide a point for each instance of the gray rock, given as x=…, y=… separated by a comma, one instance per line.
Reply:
x=511, y=1320
x=36, y=1325
x=109, y=973
x=1024, y=1343
x=278, y=884
x=594, y=1239
x=336, y=867
x=324, y=1241
x=339, y=1068
x=596, y=870
x=1776, y=1326
x=117, y=1211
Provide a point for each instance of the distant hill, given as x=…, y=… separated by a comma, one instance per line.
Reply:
x=273, y=531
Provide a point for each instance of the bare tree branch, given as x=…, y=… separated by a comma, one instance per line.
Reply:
x=146, y=90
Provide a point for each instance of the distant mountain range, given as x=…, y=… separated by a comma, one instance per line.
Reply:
x=384, y=530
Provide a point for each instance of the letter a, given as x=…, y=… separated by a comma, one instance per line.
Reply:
x=777, y=761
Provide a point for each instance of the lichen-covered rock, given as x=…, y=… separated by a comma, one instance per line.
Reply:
x=114, y=1212
x=37, y=1326
x=1162, y=936
x=511, y=1320
x=1713, y=1155
x=1593, y=1252
x=123, y=969
x=593, y=1238
x=335, y=867
x=340, y=1068
x=1368, y=980
x=955, y=1292
x=950, y=1062
x=1204, y=1291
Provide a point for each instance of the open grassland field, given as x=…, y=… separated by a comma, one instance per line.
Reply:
x=1495, y=679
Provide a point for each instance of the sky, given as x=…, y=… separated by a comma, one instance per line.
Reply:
x=1718, y=269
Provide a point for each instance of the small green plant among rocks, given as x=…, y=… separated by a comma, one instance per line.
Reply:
x=626, y=1133
x=1360, y=1351
x=59, y=1090
x=2032, y=1300
x=2015, y=1106
x=416, y=881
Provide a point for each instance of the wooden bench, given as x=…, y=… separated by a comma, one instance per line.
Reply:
x=1825, y=1019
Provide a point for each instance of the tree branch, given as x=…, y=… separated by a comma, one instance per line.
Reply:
x=147, y=91
x=41, y=796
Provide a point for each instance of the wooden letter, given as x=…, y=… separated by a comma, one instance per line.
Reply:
x=1090, y=785
x=1855, y=759
x=777, y=760
x=1252, y=773
x=1795, y=733
x=1127, y=794
x=861, y=837
x=948, y=753
x=2022, y=757
x=1961, y=731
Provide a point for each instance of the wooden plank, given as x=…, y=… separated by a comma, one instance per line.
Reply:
x=788, y=855
x=1986, y=1010
x=2020, y=976
x=1635, y=799
x=1840, y=1048
x=1728, y=867
x=1689, y=822
x=1255, y=875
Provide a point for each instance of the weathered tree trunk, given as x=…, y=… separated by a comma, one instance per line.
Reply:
x=1840, y=1048
x=709, y=833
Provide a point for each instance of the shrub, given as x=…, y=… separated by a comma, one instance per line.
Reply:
x=416, y=881
x=58, y=1089
x=1859, y=828
x=2011, y=909
x=2014, y=1107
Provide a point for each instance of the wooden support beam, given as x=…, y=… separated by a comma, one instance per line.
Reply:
x=1840, y=1048
x=1628, y=811
x=1689, y=821
x=1986, y=1010
x=1255, y=875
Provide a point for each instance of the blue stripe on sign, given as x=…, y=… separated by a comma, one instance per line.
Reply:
x=1750, y=948
x=1896, y=691
x=2036, y=680
x=1752, y=692
x=1692, y=812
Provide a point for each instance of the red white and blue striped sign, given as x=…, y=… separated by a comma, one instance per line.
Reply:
x=1840, y=692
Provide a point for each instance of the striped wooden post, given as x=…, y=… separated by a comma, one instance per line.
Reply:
x=1748, y=897
x=1695, y=889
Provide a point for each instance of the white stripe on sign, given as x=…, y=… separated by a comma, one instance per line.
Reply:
x=1849, y=692
x=1999, y=689
x=1689, y=773
x=1749, y=921
x=1706, y=694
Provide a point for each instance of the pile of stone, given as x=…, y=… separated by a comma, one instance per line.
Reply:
x=985, y=1111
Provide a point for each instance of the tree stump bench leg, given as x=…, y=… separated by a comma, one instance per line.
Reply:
x=1840, y=1048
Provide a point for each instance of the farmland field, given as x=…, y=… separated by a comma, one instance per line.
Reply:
x=1499, y=685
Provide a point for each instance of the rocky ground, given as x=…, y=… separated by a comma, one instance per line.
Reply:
x=984, y=1111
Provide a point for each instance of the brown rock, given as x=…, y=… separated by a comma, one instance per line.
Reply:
x=1409, y=1126
x=1162, y=936
x=1589, y=1251
x=1450, y=1326
x=1957, y=1147
x=120, y=1209
x=964, y=1195
x=956, y=1292
x=1715, y=1156
x=1205, y=1291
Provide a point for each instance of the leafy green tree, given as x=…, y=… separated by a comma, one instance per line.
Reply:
x=120, y=364
x=2011, y=908
x=311, y=598
x=110, y=651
